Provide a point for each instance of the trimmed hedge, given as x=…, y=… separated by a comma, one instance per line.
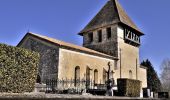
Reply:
x=18, y=69
x=129, y=87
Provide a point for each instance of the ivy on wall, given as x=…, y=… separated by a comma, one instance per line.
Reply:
x=18, y=69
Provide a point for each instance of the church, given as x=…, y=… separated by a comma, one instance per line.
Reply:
x=110, y=41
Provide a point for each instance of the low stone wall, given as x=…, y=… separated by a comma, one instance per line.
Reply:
x=43, y=96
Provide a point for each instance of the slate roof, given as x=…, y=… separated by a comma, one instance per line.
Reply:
x=111, y=13
x=65, y=45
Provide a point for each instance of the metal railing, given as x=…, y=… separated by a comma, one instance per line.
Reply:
x=71, y=86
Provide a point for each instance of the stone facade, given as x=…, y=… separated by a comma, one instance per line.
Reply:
x=130, y=59
x=56, y=58
x=60, y=60
x=107, y=46
x=49, y=56
x=69, y=60
x=125, y=49
x=128, y=54
x=142, y=76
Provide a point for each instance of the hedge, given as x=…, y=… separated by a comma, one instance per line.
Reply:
x=18, y=69
x=129, y=87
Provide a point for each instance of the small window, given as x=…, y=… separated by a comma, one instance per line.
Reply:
x=90, y=37
x=99, y=36
x=109, y=32
x=130, y=74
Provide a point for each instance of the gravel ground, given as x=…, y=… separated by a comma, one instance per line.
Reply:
x=43, y=96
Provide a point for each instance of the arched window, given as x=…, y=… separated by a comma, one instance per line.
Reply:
x=77, y=75
x=95, y=76
x=130, y=74
x=88, y=76
x=104, y=76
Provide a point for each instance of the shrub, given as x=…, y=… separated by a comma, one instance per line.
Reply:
x=18, y=69
x=129, y=87
x=163, y=94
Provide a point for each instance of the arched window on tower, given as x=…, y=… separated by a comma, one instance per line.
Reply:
x=95, y=76
x=77, y=75
x=130, y=74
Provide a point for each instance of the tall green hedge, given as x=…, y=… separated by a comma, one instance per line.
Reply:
x=129, y=87
x=18, y=69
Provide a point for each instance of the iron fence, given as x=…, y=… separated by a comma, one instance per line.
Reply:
x=71, y=86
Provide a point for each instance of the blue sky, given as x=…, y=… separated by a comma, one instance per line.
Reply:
x=63, y=19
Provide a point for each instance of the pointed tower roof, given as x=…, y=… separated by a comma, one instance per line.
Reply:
x=111, y=13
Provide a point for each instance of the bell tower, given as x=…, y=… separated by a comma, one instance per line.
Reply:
x=102, y=33
x=112, y=32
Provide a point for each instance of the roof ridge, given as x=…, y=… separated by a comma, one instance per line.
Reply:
x=130, y=23
x=62, y=43
x=117, y=9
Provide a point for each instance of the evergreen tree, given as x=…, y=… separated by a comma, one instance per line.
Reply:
x=153, y=80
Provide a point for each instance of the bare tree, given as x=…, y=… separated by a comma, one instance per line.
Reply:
x=165, y=74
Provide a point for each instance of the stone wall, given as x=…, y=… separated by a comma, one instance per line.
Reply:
x=142, y=75
x=60, y=62
x=107, y=46
x=129, y=60
x=49, y=56
x=70, y=59
x=129, y=57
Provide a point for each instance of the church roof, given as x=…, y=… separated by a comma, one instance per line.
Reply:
x=111, y=13
x=66, y=45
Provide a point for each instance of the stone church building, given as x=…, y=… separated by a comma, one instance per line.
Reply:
x=109, y=39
